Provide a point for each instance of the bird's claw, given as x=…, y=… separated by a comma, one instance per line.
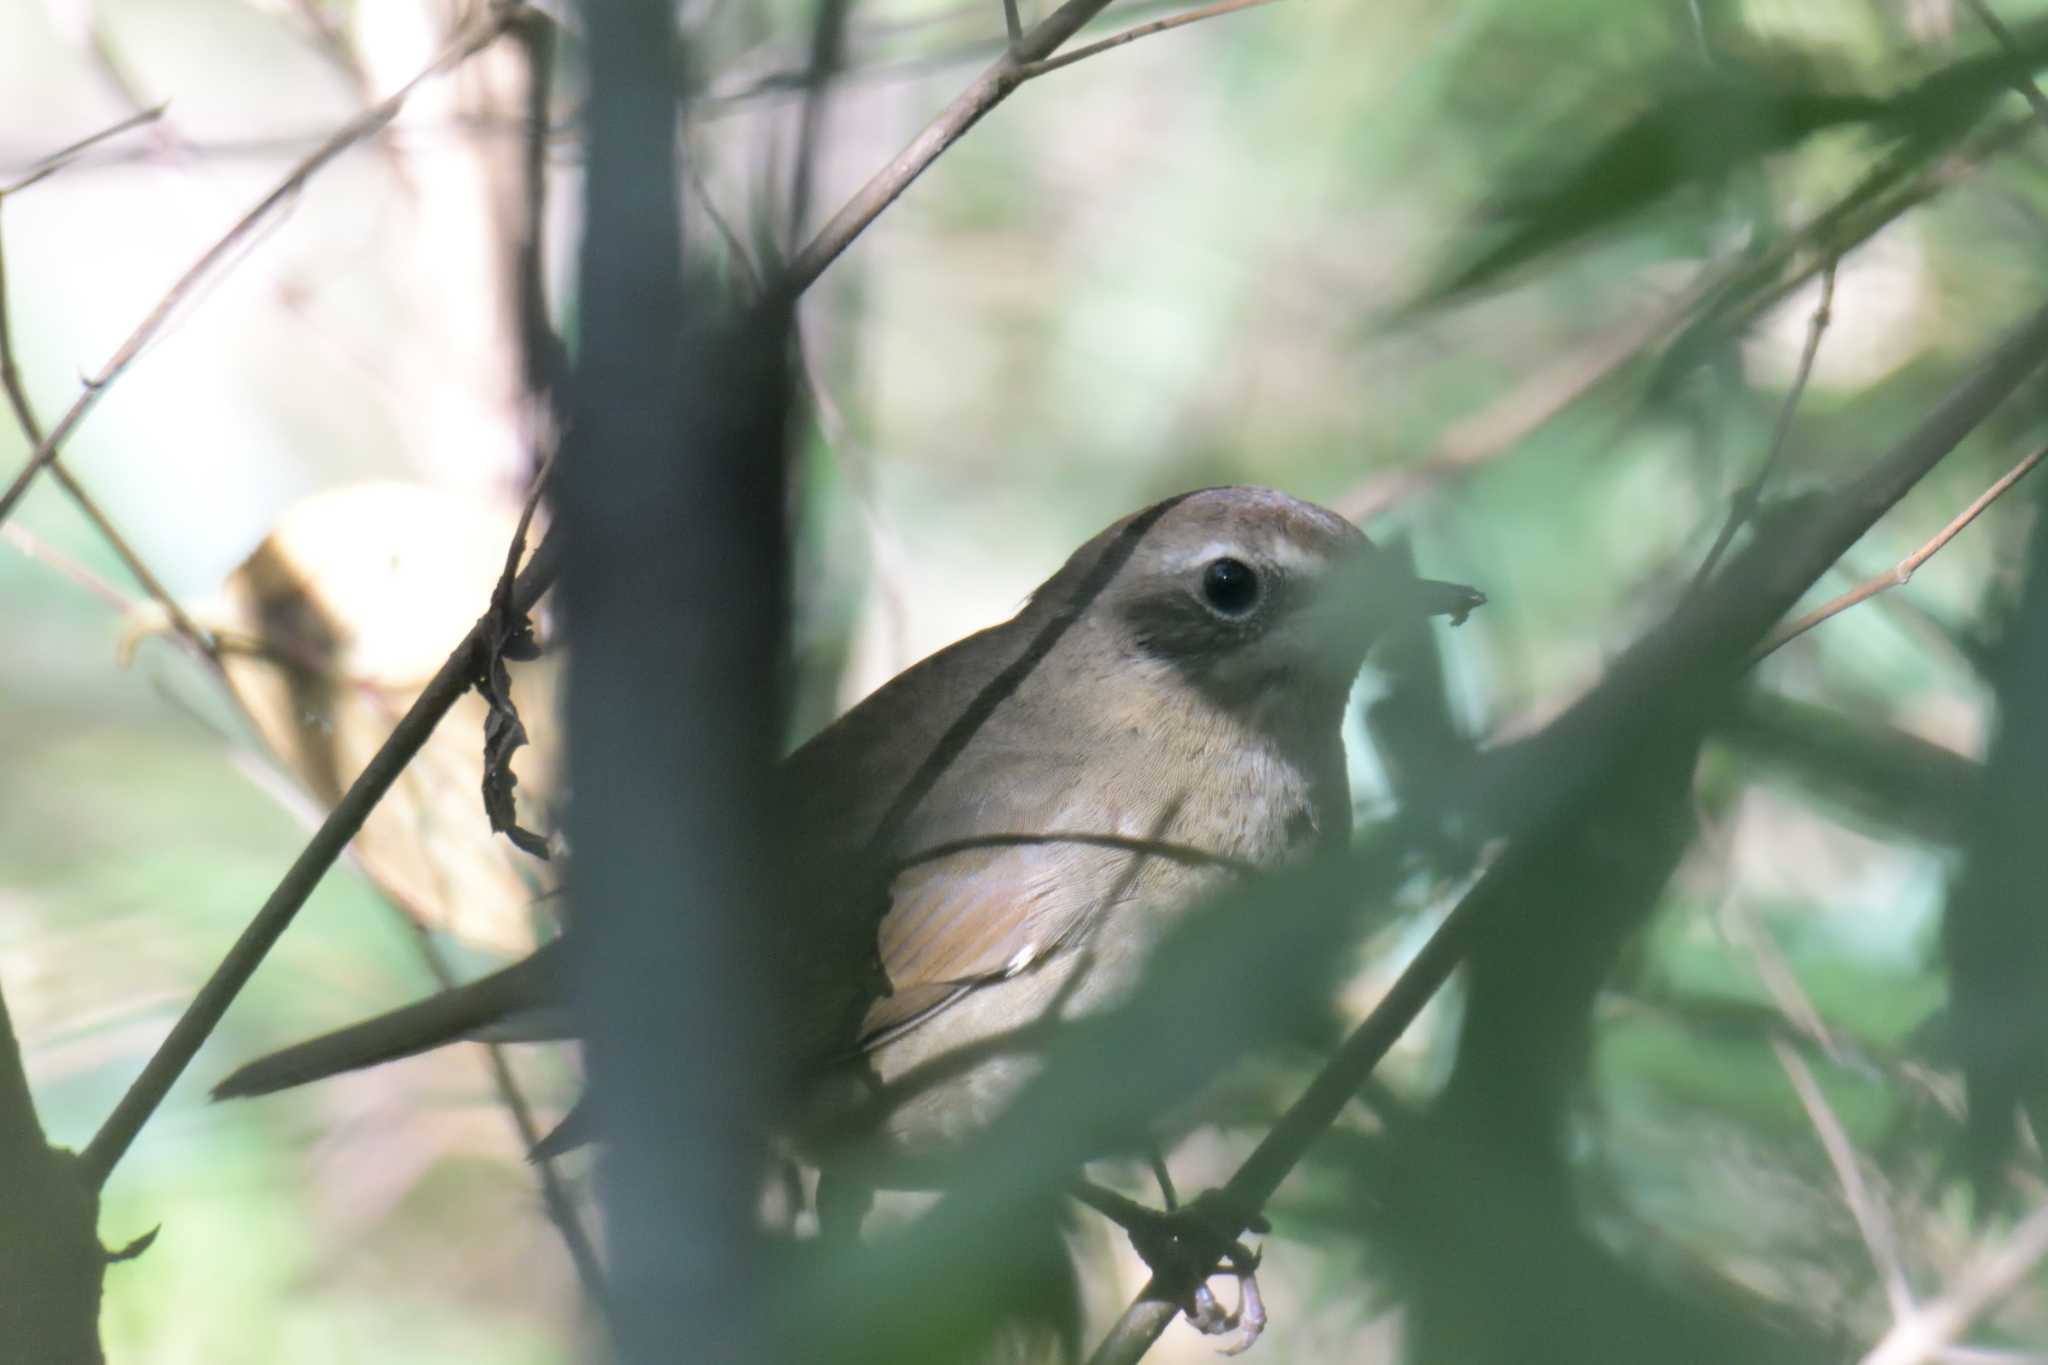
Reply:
x=1248, y=1319
x=1196, y=1242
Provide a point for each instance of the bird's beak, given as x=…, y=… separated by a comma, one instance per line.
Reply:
x=1432, y=597
x=1375, y=597
x=1381, y=589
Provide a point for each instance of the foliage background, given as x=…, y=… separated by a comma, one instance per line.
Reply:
x=1180, y=263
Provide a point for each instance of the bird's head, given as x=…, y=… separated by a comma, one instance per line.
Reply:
x=1256, y=598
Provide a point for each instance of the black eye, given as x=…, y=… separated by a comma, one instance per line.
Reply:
x=1230, y=586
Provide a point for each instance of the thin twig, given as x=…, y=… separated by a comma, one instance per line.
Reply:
x=17, y=393
x=201, y=641
x=1496, y=428
x=1872, y=1220
x=561, y=1209
x=1902, y=572
x=738, y=88
x=828, y=58
x=2021, y=81
x=1739, y=922
x=542, y=365
x=987, y=90
x=36, y=548
x=59, y=159
x=1033, y=70
x=354, y=131
x=543, y=360
x=743, y=259
x=1988, y=1278
x=341, y=825
x=1744, y=504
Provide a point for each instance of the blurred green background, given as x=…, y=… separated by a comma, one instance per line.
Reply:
x=1260, y=249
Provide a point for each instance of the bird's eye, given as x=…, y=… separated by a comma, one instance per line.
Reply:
x=1230, y=586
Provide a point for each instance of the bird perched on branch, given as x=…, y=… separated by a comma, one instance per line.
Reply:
x=992, y=842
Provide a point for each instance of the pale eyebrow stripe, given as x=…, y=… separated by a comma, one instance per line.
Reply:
x=1287, y=554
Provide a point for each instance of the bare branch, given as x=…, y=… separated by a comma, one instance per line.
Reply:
x=51, y=1261
x=988, y=90
x=340, y=826
x=1990, y=1277
x=1024, y=59
x=201, y=641
x=1879, y=1237
x=59, y=159
x=358, y=128
x=1744, y=504
x=1832, y=234
x=554, y=1195
x=35, y=547
x=1496, y=428
x=828, y=58
x=1902, y=572
x=1033, y=70
x=21, y=1132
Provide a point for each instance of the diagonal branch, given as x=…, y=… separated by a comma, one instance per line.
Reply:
x=1033, y=70
x=988, y=90
x=31, y=427
x=341, y=825
x=1029, y=55
x=63, y=156
x=1744, y=504
x=1873, y=1220
x=1927, y=1334
x=1902, y=572
x=1682, y=664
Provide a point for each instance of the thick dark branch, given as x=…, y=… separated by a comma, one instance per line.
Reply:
x=20, y=1130
x=51, y=1265
x=1681, y=665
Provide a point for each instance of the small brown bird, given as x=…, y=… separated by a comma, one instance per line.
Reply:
x=1007, y=827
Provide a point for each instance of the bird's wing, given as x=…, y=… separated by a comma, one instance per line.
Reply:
x=968, y=917
x=985, y=907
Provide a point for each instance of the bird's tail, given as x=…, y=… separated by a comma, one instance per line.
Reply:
x=519, y=1003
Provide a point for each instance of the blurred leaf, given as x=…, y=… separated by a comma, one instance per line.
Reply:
x=1996, y=928
x=1906, y=784
x=1729, y=120
x=1699, y=136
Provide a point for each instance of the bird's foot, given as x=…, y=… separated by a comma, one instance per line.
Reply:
x=1247, y=1320
x=1186, y=1246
